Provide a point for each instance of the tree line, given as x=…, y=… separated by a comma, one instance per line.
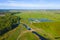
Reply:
x=7, y=21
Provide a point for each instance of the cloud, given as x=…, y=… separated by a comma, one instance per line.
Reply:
x=29, y=5
x=15, y=4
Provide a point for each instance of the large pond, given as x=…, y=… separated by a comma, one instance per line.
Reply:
x=40, y=20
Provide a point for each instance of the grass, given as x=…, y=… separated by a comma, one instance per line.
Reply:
x=47, y=29
x=50, y=15
x=52, y=28
x=29, y=36
x=13, y=34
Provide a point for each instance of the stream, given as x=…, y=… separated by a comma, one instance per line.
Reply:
x=34, y=32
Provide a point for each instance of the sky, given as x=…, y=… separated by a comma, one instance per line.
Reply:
x=29, y=4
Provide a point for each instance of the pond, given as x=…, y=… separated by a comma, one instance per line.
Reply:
x=40, y=19
x=45, y=20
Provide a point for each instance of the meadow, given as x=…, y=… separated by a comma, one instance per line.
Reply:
x=49, y=30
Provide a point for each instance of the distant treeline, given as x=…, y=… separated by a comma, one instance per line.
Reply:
x=8, y=22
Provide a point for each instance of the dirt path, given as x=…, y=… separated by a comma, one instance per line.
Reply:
x=22, y=34
x=34, y=31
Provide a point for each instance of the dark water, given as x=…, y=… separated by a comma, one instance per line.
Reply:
x=41, y=19
x=57, y=37
x=31, y=19
x=7, y=29
x=40, y=37
x=28, y=28
x=45, y=20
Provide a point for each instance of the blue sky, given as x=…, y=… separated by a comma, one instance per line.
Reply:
x=29, y=4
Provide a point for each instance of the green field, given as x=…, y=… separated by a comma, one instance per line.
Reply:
x=49, y=30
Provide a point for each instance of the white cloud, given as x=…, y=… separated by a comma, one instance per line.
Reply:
x=12, y=3
x=29, y=5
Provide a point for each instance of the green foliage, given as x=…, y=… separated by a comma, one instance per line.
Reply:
x=7, y=21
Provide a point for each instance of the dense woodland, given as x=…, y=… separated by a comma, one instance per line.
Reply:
x=7, y=21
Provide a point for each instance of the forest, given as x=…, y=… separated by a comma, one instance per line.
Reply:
x=8, y=22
